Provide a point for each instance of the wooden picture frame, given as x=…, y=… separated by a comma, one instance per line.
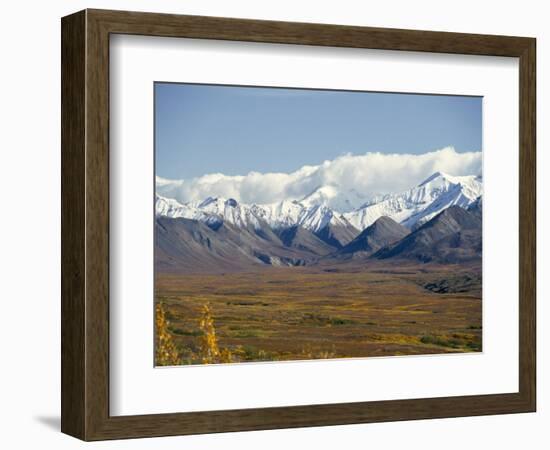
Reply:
x=85, y=224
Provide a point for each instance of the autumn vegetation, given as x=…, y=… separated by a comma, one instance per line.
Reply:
x=301, y=314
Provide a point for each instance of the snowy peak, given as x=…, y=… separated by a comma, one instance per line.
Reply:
x=326, y=206
x=210, y=211
x=470, y=184
x=419, y=204
x=439, y=181
x=282, y=214
x=333, y=197
x=320, y=196
x=290, y=213
x=432, y=177
x=441, y=178
x=208, y=201
x=279, y=215
x=169, y=207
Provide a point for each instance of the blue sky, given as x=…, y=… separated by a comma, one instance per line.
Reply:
x=202, y=129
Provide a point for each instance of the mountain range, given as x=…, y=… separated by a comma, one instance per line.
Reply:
x=437, y=220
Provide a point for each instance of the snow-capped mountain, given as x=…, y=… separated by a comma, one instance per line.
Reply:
x=424, y=224
x=335, y=198
x=317, y=211
x=420, y=203
x=285, y=214
x=282, y=214
x=279, y=215
x=209, y=211
x=168, y=207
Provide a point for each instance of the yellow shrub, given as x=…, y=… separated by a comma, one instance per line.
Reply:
x=209, y=351
x=166, y=353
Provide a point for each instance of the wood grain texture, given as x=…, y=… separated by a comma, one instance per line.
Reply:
x=73, y=275
x=527, y=223
x=97, y=226
x=152, y=24
x=85, y=224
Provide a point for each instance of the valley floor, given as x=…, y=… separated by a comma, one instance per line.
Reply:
x=303, y=313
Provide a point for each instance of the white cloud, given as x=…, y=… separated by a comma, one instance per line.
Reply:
x=369, y=174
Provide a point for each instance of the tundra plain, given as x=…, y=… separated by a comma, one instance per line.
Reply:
x=352, y=310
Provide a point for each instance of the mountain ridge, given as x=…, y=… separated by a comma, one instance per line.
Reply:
x=420, y=203
x=411, y=208
x=383, y=232
x=230, y=233
x=452, y=236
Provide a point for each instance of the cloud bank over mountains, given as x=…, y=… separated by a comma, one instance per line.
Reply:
x=365, y=175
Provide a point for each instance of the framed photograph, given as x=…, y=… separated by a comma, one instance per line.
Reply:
x=273, y=225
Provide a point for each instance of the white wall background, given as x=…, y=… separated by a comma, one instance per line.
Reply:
x=30, y=221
